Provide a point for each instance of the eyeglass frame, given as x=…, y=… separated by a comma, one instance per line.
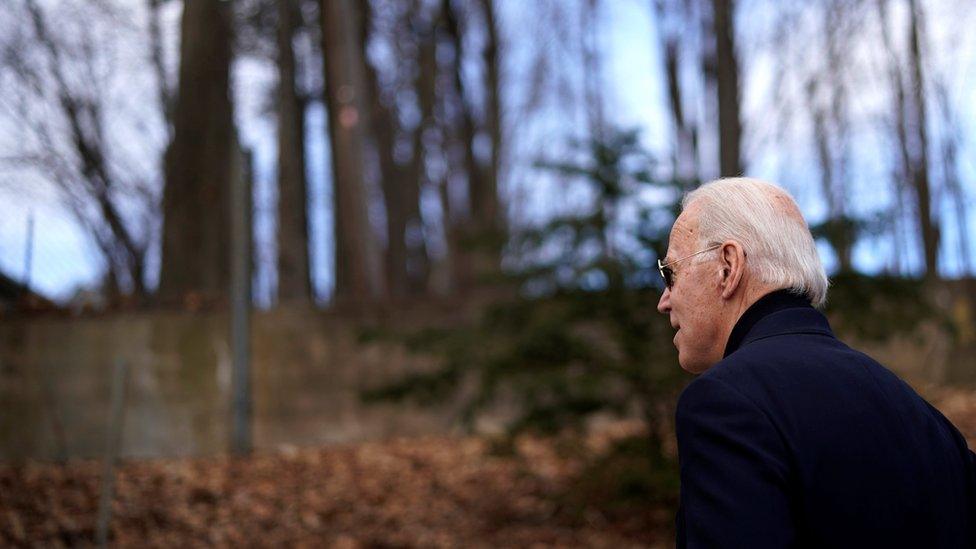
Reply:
x=669, y=278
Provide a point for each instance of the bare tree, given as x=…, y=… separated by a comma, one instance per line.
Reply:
x=950, y=168
x=200, y=160
x=294, y=274
x=899, y=126
x=492, y=57
x=673, y=26
x=477, y=249
x=157, y=59
x=394, y=177
x=826, y=103
x=358, y=270
x=912, y=178
x=726, y=72
x=58, y=97
x=918, y=128
x=591, y=66
x=424, y=86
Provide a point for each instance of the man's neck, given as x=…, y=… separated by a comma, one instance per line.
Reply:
x=749, y=296
x=767, y=304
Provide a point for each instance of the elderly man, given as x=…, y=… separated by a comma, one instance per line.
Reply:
x=790, y=438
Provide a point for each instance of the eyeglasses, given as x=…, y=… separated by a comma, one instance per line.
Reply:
x=667, y=273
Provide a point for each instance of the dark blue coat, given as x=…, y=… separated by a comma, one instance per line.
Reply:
x=796, y=440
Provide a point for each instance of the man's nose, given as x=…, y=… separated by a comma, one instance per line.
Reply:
x=664, y=305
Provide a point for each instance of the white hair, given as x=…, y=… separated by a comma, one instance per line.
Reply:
x=777, y=241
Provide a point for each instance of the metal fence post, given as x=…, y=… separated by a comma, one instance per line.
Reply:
x=240, y=311
x=29, y=252
x=120, y=379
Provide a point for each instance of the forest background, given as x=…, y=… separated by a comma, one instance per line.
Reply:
x=463, y=201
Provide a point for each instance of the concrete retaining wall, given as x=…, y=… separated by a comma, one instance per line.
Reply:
x=55, y=384
x=309, y=367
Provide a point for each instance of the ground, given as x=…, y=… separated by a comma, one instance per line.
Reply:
x=421, y=492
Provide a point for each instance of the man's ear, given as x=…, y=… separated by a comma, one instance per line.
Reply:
x=733, y=262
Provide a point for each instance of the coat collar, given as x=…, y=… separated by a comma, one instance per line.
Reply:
x=765, y=318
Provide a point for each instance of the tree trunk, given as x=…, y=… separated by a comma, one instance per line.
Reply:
x=901, y=173
x=478, y=237
x=950, y=166
x=827, y=104
x=685, y=168
x=196, y=231
x=357, y=263
x=590, y=67
x=920, y=157
x=684, y=162
x=727, y=79
x=425, y=85
x=392, y=177
x=490, y=216
x=294, y=275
